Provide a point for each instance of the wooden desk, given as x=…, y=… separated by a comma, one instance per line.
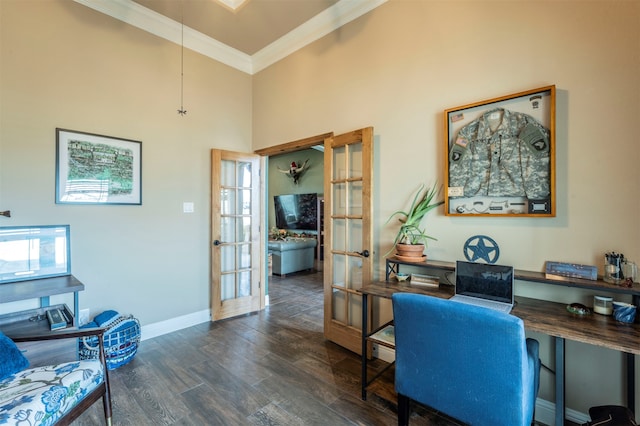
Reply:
x=541, y=316
x=21, y=323
x=553, y=319
x=42, y=288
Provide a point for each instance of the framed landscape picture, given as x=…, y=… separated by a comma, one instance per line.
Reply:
x=96, y=169
x=501, y=156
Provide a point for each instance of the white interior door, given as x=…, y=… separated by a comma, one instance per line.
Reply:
x=235, y=234
x=348, y=234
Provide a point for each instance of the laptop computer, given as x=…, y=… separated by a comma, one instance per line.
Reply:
x=484, y=284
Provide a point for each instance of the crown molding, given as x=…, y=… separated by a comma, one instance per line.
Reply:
x=147, y=20
x=232, y=4
x=341, y=13
x=132, y=13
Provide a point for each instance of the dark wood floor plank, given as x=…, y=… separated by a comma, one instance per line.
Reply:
x=273, y=414
x=173, y=374
x=328, y=373
x=242, y=364
x=180, y=347
x=298, y=380
x=229, y=390
x=270, y=368
x=301, y=402
x=208, y=406
x=362, y=413
x=150, y=394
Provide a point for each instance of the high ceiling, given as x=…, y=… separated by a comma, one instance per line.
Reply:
x=252, y=26
x=250, y=37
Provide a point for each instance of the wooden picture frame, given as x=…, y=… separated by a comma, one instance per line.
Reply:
x=97, y=169
x=500, y=156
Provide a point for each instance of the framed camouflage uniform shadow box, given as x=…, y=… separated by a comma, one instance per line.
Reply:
x=501, y=156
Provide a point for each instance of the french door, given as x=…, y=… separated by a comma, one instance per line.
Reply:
x=348, y=162
x=235, y=234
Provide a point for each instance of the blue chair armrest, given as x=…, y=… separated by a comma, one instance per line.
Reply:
x=533, y=353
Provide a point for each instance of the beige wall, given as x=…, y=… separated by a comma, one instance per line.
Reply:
x=65, y=65
x=398, y=67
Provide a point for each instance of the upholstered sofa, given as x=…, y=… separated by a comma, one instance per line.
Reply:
x=292, y=255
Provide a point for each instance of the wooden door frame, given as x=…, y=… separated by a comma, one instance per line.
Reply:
x=294, y=146
x=307, y=143
x=285, y=148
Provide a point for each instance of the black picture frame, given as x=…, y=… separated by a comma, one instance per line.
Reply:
x=500, y=156
x=97, y=169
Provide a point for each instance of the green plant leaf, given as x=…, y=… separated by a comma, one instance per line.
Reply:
x=409, y=230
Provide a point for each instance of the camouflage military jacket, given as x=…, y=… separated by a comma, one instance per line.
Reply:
x=511, y=159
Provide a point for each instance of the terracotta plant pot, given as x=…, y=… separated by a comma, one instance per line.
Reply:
x=410, y=250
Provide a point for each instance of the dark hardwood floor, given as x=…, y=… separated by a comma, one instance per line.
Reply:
x=269, y=368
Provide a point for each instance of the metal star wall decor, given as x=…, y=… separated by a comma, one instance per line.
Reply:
x=481, y=247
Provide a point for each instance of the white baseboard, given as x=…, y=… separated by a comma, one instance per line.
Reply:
x=174, y=324
x=545, y=410
x=546, y=413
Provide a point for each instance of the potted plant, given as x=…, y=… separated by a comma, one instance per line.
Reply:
x=411, y=238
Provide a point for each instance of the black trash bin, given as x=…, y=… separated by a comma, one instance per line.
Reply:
x=611, y=415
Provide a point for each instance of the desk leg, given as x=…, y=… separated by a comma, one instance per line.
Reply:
x=391, y=267
x=631, y=382
x=559, y=381
x=363, y=376
x=76, y=309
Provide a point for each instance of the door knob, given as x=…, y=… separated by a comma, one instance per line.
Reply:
x=363, y=253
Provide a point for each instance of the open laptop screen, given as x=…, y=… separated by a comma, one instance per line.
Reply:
x=493, y=282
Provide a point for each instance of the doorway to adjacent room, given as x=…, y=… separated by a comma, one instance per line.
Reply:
x=347, y=236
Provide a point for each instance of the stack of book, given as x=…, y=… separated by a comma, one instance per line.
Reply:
x=425, y=280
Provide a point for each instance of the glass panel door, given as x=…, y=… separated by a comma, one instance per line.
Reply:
x=348, y=164
x=235, y=215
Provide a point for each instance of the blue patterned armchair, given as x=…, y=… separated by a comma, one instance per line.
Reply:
x=471, y=363
x=53, y=394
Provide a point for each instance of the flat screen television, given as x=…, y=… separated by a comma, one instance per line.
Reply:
x=296, y=211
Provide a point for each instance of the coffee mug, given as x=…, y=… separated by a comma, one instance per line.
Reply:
x=624, y=312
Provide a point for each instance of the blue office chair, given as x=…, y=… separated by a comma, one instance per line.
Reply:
x=471, y=363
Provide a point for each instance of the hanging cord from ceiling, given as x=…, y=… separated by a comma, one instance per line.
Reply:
x=182, y=111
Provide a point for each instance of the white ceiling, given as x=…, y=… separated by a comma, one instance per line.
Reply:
x=250, y=38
